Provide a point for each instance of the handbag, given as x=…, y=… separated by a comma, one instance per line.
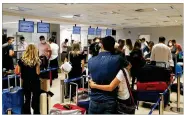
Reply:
x=124, y=108
x=66, y=67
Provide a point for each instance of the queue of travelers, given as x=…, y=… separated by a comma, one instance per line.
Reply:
x=109, y=63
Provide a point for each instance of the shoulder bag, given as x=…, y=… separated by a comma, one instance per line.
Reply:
x=131, y=103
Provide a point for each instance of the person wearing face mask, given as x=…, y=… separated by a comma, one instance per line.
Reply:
x=22, y=44
x=8, y=53
x=44, y=52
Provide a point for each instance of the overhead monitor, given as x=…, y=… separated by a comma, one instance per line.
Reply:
x=26, y=26
x=108, y=32
x=114, y=32
x=91, y=31
x=98, y=31
x=43, y=27
x=76, y=30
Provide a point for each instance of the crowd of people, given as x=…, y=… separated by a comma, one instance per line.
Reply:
x=108, y=62
x=108, y=85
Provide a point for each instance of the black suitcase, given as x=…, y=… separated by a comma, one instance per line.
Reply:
x=151, y=73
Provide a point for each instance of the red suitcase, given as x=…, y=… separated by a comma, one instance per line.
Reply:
x=152, y=86
x=72, y=109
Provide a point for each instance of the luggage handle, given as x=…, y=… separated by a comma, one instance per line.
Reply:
x=10, y=77
x=70, y=95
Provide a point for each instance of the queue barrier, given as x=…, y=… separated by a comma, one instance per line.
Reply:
x=160, y=101
x=17, y=76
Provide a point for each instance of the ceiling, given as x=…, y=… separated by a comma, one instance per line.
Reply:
x=103, y=15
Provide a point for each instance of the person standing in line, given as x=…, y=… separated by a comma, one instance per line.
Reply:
x=8, y=53
x=143, y=44
x=29, y=67
x=128, y=47
x=150, y=46
x=162, y=53
x=103, y=69
x=137, y=61
x=170, y=44
x=178, y=47
x=44, y=52
x=77, y=61
x=54, y=57
x=64, y=50
x=121, y=44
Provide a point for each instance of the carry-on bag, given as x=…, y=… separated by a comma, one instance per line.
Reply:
x=152, y=86
x=66, y=109
x=83, y=95
x=130, y=107
x=12, y=98
x=45, y=102
x=151, y=73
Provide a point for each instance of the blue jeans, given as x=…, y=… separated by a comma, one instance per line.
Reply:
x=108, y=107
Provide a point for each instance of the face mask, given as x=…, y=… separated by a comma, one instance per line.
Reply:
x=170, y=44
x=13, y=43
x=43, y=41
x=100, y=44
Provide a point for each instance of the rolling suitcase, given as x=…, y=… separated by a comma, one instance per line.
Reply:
x=67, y=109
x=12, y=98
x=152, y=86
x=83, y=95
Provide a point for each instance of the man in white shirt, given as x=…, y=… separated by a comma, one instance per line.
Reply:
x=64, y=46
x=162, y=53
x=64, y=50
x=54, y=57
x=22, y=44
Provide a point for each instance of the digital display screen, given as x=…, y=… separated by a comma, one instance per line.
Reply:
x=43, y=27
x=76, y=30
x=26, y=26
x=108, y=32
x=98, y=31
x=91, y=31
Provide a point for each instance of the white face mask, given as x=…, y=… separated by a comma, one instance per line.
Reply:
x=170, y=44
x=13, y=43
x=43, y=41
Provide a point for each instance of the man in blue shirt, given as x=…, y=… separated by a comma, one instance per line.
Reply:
x=103, y=68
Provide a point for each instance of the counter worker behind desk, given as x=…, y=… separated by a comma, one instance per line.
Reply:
x=22, y=45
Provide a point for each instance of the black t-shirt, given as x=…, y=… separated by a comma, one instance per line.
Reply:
x=76, y=65
x=7, y=59
x=28, y=74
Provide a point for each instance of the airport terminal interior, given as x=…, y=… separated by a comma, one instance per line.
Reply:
x=63, y=32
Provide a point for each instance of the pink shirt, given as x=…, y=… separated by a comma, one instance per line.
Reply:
x=43, y=49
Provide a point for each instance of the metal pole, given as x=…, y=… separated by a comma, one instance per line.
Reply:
x=178, y=91
x=161, y=108
x=61, y=91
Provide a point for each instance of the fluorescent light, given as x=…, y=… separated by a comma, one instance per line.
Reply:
x=155, y=9
x=176, y=21
x=10, y=22
x=69, y=16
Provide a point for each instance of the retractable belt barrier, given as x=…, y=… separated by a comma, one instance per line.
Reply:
x=17, y=76
x=161, y=100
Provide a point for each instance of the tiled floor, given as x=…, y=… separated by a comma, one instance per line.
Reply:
x=144, y=108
